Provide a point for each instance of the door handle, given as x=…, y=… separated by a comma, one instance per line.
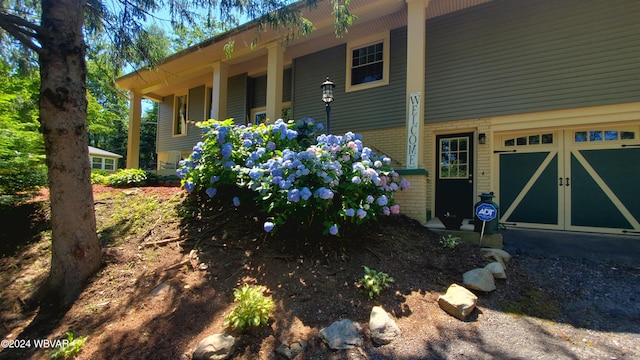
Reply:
x=560, y=181
x=566, y=181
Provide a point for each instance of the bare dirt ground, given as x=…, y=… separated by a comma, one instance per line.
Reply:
x=168, y=279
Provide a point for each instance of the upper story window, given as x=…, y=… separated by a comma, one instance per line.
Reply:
x=180, y=115
x=368, y=62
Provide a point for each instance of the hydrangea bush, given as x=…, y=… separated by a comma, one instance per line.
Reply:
x=294, y=175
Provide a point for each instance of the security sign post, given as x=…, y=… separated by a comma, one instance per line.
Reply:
x=485, y=212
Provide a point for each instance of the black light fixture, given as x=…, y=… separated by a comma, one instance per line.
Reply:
x=327, y=98
x=482, y=138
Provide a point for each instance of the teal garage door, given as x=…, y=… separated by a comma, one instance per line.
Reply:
x=583, y=179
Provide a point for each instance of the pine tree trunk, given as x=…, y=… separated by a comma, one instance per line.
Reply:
x=75, y=250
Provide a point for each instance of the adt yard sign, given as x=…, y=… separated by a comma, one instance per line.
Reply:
x=486, y=212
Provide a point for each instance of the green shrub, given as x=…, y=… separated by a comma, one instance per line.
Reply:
x=374, y=282
x=100, y=177
x=128, y=178
x=16, y=177
x=252, y=308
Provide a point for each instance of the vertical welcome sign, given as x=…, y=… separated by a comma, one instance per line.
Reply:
x=413, y=130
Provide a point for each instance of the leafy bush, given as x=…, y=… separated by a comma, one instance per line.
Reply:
x=16, y=176
x=252, y=308
x=128, y=178
x=100, y=177
x=328, y=179
x=374, y=282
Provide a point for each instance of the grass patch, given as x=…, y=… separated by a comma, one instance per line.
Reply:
x=535, y=303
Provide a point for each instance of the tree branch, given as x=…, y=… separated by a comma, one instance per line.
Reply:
x=24, y=31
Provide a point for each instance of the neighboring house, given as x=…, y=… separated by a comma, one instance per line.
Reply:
x=103, y=160
x=535, y=100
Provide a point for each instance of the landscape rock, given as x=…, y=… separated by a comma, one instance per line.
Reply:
x=215, y=347
x=498, y=255
x=458, y=301
x=479, y=279
x=341, y=335
x=383, y=328
x=497, y=270
x=291, y=349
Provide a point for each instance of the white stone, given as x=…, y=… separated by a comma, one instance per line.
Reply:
x=341, y=335
x=497, y=270
x=383, y=328
x=458, y=301
x=215, y=347
x=479, y=279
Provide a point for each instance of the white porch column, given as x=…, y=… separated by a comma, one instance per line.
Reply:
x=133, y=140
x=219, y=92
x=275, y=68
x=416, y=54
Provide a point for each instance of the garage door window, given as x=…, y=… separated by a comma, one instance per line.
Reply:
x=603, y=135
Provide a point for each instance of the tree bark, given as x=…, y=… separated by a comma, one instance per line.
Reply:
x=75, y=249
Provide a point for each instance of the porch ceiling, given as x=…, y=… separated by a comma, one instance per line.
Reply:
x=189, y=67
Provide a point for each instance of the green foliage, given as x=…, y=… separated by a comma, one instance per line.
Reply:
x=72, y=347
x=99, y=177
x=374, y=282
x=128, y=178
x=450, y=241
x=252, y=308
x=21, y=145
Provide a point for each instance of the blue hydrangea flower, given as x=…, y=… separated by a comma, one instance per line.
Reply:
x=350, y=212
x=226, y=150
x=211, y=192
x=333, y=230
x=305, y=193
x=268, y=226
x=189, y=186
x=370, y=199
x=293, y=195
x=236, y=201
x=271, y=145
x=356, y=180
x=382, y=200
x=215, y=179
x=361, y=213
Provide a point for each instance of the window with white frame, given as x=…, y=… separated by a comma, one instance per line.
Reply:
x=180, y=115
x=368, y=62
x=100, y=163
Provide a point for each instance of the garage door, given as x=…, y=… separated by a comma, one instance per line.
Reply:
x=574, y=179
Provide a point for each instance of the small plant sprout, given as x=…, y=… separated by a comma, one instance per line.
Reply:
x=252, y=307
x=374, y=282
x=70, y=348
x=450, y=241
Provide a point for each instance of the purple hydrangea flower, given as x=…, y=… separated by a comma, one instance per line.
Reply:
x=404, y=184
x=361, y=213
x=395, y=209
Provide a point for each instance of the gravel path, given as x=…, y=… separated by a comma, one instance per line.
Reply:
x=600, y=316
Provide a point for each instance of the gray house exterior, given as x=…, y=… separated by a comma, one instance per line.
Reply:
x=537, y=101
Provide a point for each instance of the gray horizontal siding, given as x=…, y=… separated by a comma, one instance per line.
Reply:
x=237, y=98
x=166, y=141
x=375, y=108
x=509, y=57
x=196, y=104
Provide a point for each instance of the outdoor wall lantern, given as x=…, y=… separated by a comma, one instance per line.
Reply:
x=482, y=138
x=327, y=98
